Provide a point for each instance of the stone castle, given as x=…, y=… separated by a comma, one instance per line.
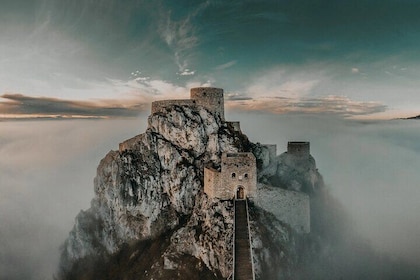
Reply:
x=237, y=176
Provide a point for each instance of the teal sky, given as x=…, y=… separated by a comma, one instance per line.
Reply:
x=109, y=58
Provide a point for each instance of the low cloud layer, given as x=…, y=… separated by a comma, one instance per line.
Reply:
x=18, y=105
x=370, y=167
x=46, y=178
x=47, y=171
x=329, y=105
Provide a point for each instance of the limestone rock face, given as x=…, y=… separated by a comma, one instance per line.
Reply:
x=146, y=188
x=149, y=195
x=207, y=235
x=288, y=171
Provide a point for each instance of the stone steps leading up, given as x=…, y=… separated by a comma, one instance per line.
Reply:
x=243, y=260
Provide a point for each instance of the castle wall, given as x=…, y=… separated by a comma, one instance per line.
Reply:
x=300, y=149
x=159, y=106
x=211, y=181
x=238, y=169
x=210, y=98
x=290, y=207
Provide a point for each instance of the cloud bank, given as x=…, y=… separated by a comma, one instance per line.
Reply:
x=330, y=105
x=18, y=106
x=47, y=170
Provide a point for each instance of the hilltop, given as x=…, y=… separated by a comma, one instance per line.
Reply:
x=152, y=216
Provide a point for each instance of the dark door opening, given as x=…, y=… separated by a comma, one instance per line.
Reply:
x=240, y=193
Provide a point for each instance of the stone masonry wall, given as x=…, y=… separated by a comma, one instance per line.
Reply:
x=239, y=169
x=211, y=181
x=210, y=98
x=290, y=207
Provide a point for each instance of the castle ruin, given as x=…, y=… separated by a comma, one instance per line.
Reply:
x=207, y=97
x=236, y=178
x=299, y=149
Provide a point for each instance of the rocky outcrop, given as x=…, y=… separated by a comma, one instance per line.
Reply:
x=145, y=189
x=290, y=172
x=151, y=192
x=208, y=235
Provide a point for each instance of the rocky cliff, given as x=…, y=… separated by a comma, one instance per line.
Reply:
x=150, y=219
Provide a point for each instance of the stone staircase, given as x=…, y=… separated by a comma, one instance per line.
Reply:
x=243, y=269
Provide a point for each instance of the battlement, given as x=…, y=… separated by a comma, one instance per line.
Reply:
x=300, y=149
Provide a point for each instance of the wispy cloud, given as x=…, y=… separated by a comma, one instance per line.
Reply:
x=287, y=81
x=226, y=65
x=181, y=36
x=187, y=72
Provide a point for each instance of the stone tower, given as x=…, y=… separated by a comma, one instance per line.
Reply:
x=210, y=98
x=237, y=177
x=299, y=149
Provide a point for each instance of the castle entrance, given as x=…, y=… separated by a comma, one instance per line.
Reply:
x=240, y=193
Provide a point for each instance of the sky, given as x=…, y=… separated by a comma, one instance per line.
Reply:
x=80, y=76
x=110, y=58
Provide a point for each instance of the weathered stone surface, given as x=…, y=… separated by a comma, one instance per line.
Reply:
x=291, y=207
x=155, y=179
x=153, y=187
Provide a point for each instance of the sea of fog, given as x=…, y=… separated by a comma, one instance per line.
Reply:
x=47, y=170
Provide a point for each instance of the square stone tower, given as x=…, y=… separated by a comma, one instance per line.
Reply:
x=210, y=98
x=237, y=178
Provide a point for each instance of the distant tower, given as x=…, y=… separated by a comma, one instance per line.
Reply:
x=210, y=98
x=299, y=149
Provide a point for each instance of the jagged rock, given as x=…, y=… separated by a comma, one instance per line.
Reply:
x=152, y=189
x=143, y=190
x=208, y=235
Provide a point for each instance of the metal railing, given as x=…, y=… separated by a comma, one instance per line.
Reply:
x=234, y=232
x=250, y=242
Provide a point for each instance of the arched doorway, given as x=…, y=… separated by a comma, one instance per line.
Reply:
x=240, y=193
